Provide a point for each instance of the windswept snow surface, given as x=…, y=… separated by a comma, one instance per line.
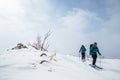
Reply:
x=25, y=65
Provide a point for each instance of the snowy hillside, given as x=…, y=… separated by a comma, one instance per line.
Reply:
x=25, y=65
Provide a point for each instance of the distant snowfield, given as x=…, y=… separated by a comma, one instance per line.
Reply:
x=25, y=65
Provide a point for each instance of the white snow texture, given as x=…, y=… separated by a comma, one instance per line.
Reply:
x=25, y=64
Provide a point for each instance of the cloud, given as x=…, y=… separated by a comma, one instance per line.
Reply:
x=75, y=26
x=21, y=20
x=17, y=24
x=111, y=29
x=9, y=8
x=85, y=27
x=108, y=36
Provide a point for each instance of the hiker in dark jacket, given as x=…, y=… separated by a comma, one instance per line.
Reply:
x=82, y=50
x=93, y=52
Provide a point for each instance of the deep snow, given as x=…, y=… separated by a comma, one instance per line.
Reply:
x=25, y=64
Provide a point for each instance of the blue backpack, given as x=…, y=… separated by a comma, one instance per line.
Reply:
x=91, y=45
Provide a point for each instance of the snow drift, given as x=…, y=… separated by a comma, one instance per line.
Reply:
x=25, y=64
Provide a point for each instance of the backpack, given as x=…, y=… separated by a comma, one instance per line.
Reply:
x=91, y=45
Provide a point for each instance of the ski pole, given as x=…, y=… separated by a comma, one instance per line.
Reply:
x=87, y=57
x=79, y=56
x=100, y=60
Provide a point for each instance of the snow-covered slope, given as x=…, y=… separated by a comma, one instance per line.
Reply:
x=25, y=65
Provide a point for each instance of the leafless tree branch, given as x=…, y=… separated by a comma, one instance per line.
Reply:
x=40, y=44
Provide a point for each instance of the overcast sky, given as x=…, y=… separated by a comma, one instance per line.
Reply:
x=72, y=23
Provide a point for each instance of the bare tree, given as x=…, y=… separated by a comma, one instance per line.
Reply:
x=40, y=44
x=44, y=46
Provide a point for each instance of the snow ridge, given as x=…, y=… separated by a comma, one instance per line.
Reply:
x=25, y=64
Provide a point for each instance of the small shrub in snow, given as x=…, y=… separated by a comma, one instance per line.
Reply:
x=19, y=46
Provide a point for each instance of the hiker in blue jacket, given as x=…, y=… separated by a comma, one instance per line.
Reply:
x=82, y=50
x=93, y=52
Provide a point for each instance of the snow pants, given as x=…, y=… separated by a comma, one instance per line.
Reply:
x=94, y=59
x=83, y=55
